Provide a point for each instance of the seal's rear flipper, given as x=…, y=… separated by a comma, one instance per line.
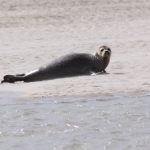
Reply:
x=8, y=78
x=11, y=78
x=23, y=74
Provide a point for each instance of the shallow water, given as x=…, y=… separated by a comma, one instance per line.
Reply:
x=112, y=122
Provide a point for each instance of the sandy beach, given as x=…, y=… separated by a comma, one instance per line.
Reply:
x=34, y=33
x=106, y=112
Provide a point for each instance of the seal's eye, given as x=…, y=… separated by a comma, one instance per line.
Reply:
x=109, y=49
x=102, y=50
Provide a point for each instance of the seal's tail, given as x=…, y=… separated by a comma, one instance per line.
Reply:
x=12, y=78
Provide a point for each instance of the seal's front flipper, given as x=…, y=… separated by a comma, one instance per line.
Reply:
x=104, y=71
x=98, y=73
x=93, y=74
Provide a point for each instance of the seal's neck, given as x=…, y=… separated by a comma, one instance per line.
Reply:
x=105, y=61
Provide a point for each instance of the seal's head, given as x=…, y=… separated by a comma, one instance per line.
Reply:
x=104, y=53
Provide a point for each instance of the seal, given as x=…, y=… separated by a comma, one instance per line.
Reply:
x=67, y=66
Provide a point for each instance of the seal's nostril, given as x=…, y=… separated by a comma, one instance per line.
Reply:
x=107, y=52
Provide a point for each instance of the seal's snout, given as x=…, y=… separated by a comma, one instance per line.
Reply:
x=107, y=52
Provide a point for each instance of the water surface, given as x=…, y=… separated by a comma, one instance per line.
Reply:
x=64, y=123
